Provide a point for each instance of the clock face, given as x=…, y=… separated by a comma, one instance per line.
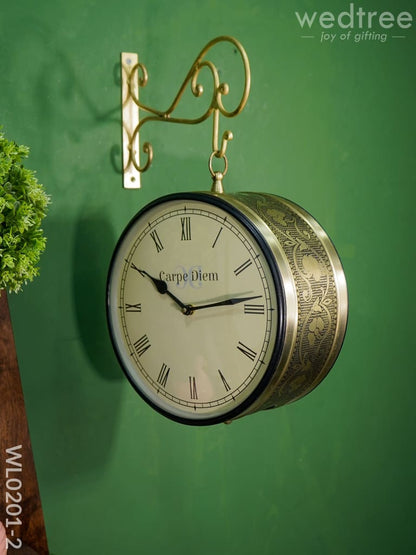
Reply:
x=193, y=308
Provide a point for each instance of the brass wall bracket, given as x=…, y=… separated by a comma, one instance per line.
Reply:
x=134, y=75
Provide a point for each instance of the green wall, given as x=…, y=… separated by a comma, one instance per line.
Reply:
x=330, y=126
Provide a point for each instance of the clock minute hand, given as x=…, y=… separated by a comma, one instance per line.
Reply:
x=233, y=300
x=162, y=288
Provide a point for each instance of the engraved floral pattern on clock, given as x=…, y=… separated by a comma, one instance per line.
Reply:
x=316, y=291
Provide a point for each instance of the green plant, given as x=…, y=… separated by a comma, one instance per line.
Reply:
x=23, y=204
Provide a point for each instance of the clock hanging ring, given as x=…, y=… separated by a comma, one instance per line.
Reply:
x=219, y=305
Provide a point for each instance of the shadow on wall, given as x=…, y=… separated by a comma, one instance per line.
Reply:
x=62, y=110
x=91, y=256
x=69, y=369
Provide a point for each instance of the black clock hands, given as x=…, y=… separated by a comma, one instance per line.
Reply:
x=162, y=288
x=188, y=309
x=233, y=300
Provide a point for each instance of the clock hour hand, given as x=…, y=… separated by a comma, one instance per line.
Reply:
x=162, y=288
x=231, y=301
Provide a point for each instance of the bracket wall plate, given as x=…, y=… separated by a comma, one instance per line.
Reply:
x=130, y=119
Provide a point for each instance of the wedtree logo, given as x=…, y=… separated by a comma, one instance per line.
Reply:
x=355, y=24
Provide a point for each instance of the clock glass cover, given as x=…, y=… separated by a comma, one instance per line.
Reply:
x=194, y=308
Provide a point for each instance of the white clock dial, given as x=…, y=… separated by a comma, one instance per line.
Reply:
x=193, y=308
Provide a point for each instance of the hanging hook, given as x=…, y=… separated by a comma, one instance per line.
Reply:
x=132, y=79
x=217, y=176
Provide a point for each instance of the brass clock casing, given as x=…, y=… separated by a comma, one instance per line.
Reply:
x=314, y=291
x=311, y=290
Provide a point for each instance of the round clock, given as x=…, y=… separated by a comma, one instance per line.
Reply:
x=222, y=305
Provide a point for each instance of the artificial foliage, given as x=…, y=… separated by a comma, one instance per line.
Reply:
x=23, y=205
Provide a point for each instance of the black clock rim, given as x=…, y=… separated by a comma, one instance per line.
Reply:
x=221, y=202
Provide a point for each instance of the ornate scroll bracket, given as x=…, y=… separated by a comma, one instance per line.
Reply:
x=134, y=75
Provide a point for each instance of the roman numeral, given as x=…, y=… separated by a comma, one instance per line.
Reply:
x=134, y=307
x=217, y=237
x=192, y=387
x=157, y=241
x=254, y=309
x=246, y=351
x=141, y=345
x=186, y=228
x=163, y=375
x=224, y=381
x=243, y=267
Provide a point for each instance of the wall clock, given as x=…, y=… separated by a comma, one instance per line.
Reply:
x=221, y=305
